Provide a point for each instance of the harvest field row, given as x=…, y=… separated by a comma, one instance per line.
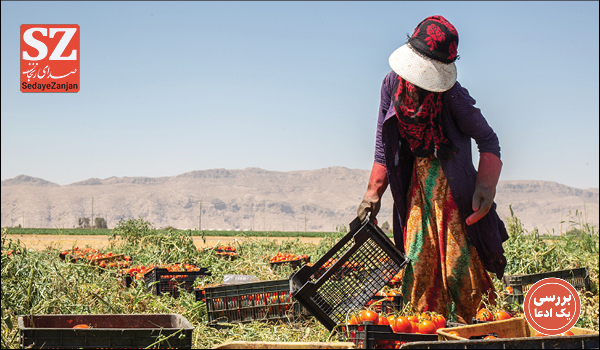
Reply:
x=38, y=282
x=106, y=232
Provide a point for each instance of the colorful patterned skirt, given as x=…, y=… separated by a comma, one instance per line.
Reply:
x=445, y=274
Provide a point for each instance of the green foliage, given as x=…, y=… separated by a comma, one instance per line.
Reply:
x=133, y=230
x=531, y=253
x=83, y=222
x=38, y=282
x=100, y=223
x=81, y=231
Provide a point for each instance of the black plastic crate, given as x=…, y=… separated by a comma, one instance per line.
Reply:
x=579, y=278
x=369, y=336
x=106, y=331
x=348, y=275
x=162, y=281
x=247, y=302
x=199, y=294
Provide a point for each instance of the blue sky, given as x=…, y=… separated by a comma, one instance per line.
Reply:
x=172, y=87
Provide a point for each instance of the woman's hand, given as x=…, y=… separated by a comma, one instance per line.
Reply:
x=371, y=201
x=485, y=186
x=370, y=204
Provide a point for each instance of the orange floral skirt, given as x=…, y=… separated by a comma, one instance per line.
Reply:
x=445, y=273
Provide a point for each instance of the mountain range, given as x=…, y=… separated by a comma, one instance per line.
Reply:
x=261, y=200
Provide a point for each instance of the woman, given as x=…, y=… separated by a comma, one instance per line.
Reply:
x=444, y=215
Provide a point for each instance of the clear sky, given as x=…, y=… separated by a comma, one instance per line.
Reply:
x=172, y=87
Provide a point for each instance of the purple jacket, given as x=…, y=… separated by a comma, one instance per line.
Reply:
x=461, y=121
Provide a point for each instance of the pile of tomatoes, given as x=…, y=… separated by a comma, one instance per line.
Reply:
x=283, y=257
x=119, y=264
x=225, y=248
x=224, y=251
x=230, y=255
x=424, y=323
x=77, y=253
x=139, y=271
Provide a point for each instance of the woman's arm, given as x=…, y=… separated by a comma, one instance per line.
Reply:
x=470, y=121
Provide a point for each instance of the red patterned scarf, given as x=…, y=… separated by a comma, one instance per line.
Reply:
x=419, y=124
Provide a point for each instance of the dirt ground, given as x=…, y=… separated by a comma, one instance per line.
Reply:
x=40, y=242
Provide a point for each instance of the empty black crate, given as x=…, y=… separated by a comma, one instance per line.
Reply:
x=369, y=336
x=247, y=302
x=579, y=278
x=348, y=275
x=106, y=331
x=162, y=281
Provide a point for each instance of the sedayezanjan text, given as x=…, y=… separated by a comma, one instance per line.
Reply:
x=49, y=86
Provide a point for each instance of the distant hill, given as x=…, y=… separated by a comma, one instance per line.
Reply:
x=257, y=199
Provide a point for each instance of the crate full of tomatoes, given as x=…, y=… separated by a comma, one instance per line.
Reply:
x=165, y=278
x=96, y=257
x=224, y=251
x=173, y=278
x=371, y=330
x=247, y=302
x=290, y=259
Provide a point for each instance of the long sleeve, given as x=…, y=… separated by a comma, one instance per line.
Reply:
x=470, y=121
x=384, y=105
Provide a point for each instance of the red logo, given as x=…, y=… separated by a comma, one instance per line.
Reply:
x=552, y=306
x=49, y=58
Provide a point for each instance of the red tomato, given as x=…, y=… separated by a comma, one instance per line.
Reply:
x=413, y=318
x=403, y=325
x=414, y=327
x=425, y=316
x=392, y=321
x=502, y=315
x=484, y=315
x=383, y=321
x=369, y=315
x=427, y=327
x=439, y=321
x=567, y=333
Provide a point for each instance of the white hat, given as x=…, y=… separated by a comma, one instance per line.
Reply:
x=427, y=59
x=422, y=71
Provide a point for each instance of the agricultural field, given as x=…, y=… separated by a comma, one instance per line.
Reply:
x=106, y=232
x=39, y=282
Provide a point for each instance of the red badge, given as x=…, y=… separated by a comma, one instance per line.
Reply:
x=49, y=58
x=552, y=306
